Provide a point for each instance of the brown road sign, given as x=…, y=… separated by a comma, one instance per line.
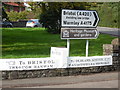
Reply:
x=79, y=33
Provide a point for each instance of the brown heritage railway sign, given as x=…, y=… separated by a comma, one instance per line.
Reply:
x=79, y=33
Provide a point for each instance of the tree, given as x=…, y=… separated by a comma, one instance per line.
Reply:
x=108, y=13
x=15, y=16
x=4, y=14
x=36, y=9
x=51, y=13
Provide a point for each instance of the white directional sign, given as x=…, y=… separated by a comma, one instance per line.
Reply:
x=79, y=18
x=89, y=61
x=53, y=63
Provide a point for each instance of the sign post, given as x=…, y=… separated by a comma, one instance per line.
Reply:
x=79, y=24
x=68, y=46
x=87, y=45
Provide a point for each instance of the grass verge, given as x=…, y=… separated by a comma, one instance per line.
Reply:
x=36, y=42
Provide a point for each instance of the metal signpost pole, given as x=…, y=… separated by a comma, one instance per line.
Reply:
x=68, y=46
x=87, y=44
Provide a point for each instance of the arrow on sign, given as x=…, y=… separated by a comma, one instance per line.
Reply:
x=79, y=18
x=96, y=19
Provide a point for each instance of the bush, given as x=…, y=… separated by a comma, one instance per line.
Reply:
x=109, y=16
x=108, y=13
x=14, y=16
x=51, y=20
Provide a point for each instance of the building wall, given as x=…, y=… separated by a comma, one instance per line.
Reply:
x=8, y=8
x=15, y=8
x=23, y=8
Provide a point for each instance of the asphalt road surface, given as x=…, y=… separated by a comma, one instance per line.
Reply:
x=100, y=80
x=110, y=31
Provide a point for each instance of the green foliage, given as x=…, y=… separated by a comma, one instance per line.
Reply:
x=51, y=21
x=51, y=13
x=36, y=43
x=36, y=9
x=14, y=16
x=108, y=13
x=119, y=15
x=4, y=14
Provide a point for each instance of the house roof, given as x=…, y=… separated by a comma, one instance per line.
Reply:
x=14, y=4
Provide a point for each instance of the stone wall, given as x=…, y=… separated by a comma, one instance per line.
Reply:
x=108, y=49
x=114, y=50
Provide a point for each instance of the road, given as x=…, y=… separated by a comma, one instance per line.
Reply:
x=100, y=80
x=110, y=31
x=99, y=84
